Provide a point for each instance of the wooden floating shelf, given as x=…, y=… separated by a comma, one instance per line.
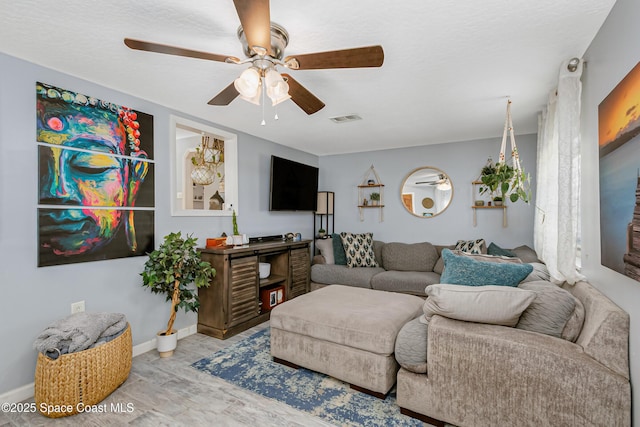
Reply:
x=371, y=206
x=488, y=207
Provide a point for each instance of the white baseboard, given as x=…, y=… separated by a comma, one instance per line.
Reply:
x=18, y=394
x=26, y=391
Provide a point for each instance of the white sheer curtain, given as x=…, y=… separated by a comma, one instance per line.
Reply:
x=557, y=215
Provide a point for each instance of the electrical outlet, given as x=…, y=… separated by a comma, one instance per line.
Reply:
x=77, y=307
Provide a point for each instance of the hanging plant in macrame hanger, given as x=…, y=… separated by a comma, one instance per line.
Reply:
x=506, y=180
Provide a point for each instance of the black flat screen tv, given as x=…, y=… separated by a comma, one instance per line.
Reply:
x=294, y=186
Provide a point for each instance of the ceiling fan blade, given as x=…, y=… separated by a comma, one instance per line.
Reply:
x=179, y=51
x=302, y=97
x=225, y=97
x=255, y=19
x=359, y=57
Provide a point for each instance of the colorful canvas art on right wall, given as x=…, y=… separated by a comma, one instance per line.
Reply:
x=619, y=148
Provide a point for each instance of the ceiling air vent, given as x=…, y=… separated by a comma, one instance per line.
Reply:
x=345, y=119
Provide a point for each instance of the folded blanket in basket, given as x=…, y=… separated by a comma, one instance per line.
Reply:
x=79, y=332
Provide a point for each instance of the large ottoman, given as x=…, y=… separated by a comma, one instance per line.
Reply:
x=346, y=332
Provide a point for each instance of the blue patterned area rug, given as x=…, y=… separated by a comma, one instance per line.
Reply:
x=248, y=364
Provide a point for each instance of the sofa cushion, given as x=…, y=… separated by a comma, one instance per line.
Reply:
x=540, y=272
x=494, y=249
x=550, y=310
x=325, y=246
x=359, y=249
x=477, y=246
x=409, y=257
x=573, y=328
x=333, y=274
x=496, y=305
x=439, y=267
x=526, y=254
x=340, y=258
x=377, y=250
x=412, y=282
x=411, y=346
x=461, y=270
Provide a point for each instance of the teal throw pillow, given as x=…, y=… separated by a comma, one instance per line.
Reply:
x=339, y=256
x=494, y=249
x=460, y=270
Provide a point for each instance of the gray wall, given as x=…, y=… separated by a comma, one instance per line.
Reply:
x=462, y=161
x=34, y=297
x=611, y=55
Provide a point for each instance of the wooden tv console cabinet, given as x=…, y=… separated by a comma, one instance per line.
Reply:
x=231, y=304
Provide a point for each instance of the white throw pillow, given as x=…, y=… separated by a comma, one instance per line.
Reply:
x=325, y=246
x=496, y=305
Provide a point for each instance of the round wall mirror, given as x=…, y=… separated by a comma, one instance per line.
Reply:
x=426, y=192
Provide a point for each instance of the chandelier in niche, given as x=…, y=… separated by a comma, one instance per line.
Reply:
x=206, y=160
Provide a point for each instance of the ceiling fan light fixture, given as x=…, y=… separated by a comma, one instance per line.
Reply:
x=277, y=88
x=280, y=99
x=253, y=99
x=248, y=83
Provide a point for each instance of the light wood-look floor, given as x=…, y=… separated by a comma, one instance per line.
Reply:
x=169, y=392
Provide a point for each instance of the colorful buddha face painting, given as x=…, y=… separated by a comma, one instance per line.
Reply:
x=94, y=168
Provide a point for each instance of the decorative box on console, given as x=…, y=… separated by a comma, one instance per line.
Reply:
x=270, y=297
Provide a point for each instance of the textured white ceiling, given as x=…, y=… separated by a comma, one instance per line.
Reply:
x=449, y=65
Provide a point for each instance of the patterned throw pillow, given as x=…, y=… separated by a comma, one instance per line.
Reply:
x=359, y=249
x=472, y=246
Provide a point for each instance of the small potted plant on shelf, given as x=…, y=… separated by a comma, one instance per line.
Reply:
x=322, y=232
x=238, y=239
x=170, y=270
x=375, y=198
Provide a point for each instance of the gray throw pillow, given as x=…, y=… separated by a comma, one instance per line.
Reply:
x=526, y=254
x=550, y=310
x=572, y=330
x=411, y=346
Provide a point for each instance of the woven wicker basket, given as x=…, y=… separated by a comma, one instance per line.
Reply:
x=72, y=381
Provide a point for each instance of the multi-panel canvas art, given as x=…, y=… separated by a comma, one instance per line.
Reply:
x=619, y=147
x=95, y=178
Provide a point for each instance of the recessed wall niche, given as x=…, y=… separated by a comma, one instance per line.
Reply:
x=191, y=196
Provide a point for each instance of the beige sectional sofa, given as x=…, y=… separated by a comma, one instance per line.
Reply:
x=537, y=372
x=402, y=267
x=488, y=375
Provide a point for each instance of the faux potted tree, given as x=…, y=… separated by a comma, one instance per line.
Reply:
x=503, y=182
x=170, y=270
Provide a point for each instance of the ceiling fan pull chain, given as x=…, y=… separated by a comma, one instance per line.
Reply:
x=263, y=122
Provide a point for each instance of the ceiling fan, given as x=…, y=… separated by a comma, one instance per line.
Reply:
x=263, y=45
x=439, y=179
